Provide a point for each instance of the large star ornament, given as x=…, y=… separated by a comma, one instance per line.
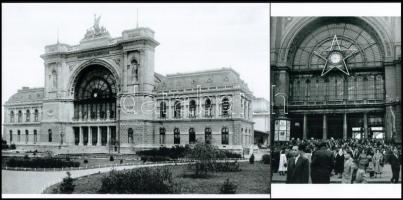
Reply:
x=336, y=57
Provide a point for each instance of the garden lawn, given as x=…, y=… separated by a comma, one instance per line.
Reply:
x=253, y=179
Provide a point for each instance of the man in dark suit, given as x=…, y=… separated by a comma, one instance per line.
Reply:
x=322, y=164
x=298, y=166
x=394, y=160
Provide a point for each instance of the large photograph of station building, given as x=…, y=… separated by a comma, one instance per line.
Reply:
x=336, y=77
x=103, y=96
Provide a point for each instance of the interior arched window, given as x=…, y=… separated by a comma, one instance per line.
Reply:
x=208, y=108
x=225, y=107
x=163, y=110
x=192, y=109
x=12, y=117
x=177, y=109
x=36, y=115
x=28, y=116
x=20, y=116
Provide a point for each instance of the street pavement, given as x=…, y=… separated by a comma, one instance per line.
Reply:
x=384, y=178
x=34, y=182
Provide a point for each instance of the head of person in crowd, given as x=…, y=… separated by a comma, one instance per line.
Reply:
x=301, y=149
x=348, y=154
x=295, y=151
x=322, y=145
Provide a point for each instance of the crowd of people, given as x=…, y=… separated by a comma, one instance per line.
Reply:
x=351, y=160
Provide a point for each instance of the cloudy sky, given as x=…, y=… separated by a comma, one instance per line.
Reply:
x=192, y=37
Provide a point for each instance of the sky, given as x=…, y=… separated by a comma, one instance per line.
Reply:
x=192, y=37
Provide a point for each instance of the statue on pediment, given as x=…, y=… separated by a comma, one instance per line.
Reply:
x=96, y=30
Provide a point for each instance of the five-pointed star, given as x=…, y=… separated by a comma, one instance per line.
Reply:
x=336, y=58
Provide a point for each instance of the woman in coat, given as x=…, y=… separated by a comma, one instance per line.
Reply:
x=349, y=167
x=377, y=160
x=339, y=165
x=282, y=167
x=363, y=160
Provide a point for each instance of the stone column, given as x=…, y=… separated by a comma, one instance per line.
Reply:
x=305, y=128
x=89, y=136
x=99, y=143
x=324, y=127
x=81, y=138
x=365, y=125
x=345, y=126
x=217, y=106
x=108, y=135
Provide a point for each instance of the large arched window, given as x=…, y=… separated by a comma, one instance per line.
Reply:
x=162, y=135
x=192, y=109
x=50, y=135
x=26, y=136
x=177, y=109
x=19, y=116
x=36, y=115
x=163, y=110
x=12, y=117
x=35, y=136
x=95, y=94
x=208, y=108
x=192, y=136
x=224, y=136
x=207, y=135
x=28, y=116
x=347, y=52
x=130, y=136
x=225, y=107
x=177, y=136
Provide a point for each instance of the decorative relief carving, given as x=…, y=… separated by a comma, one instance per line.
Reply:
x=117, y=61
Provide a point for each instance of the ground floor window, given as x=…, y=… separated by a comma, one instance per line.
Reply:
x=11, y=136
x=26, y=136
x=19, y=136
x=192, y=136
x=35, y=136
x=224, y=136
x=207, y=135
x=50, y=135
x=177, y=137
x=130, y=136
x=162, y=135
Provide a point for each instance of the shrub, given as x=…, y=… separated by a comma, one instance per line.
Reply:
x=266, y=159
x=252, y=159
x=229, y=154
x=205, y=156
x=26, y=157
x=85, y=161
x=12, y=146
x=228, y=188
x=121, y=161
x=140, y=181
x=111, y=158
x=67, y=186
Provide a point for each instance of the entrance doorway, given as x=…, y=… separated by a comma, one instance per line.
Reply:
x=315, y=126
x=335, y=126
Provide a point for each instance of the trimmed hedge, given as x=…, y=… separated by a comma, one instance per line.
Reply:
x=41, y=163
x=174, y=152
x=139, y=181
x=227, y=166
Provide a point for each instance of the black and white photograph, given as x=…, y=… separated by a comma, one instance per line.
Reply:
x=135, y=99
x=341, y=77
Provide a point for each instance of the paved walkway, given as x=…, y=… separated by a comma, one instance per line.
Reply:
x=385, y=177
x=31, y=182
